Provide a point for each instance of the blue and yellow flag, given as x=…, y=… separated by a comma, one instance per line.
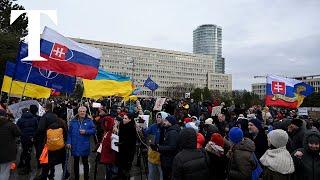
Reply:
x=31, y=90
x=107, y=84
x=50, y=79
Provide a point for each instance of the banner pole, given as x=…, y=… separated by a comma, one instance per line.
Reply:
x=9, y=93
x=24, y=87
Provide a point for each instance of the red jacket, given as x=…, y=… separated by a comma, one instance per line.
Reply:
x=108, y=156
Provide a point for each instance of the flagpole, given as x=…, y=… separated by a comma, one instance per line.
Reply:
x=9, y=93
x=24, y=87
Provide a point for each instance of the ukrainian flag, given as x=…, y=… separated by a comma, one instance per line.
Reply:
x=31, y=90
x=107, y=84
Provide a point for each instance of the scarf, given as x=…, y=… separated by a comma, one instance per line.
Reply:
x=278, y=160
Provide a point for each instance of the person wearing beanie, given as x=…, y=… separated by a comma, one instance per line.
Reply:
x=277, y=160
x=200, y=140
x=259, y=137
x=307, y=159
x=208, y=121
x=241, y=163
x=190, y=163
x=192, y=125
x=217, y=157
x=235, y=135
x=208, y=130
x=296, y=132
x=168, y=148
x=187, y=120
x=170, y=121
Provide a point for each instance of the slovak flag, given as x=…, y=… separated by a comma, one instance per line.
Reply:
x=285, y=92
x=67, y=57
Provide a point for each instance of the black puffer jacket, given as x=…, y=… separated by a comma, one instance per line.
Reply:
x=308, y=167
x=28, y=125
x=169, y=147
x=191, y=163
x=8, y=133
x=45, y=121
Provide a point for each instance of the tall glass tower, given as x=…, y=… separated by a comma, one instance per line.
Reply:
x=207, y=39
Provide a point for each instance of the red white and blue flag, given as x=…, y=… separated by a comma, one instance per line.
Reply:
x=67, y=57
x=285, y=92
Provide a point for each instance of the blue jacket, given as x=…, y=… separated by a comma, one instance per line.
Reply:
x=154, y=129
x=80, y=144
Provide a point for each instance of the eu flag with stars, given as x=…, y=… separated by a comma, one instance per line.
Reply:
x=50, y=79
x=149, y=83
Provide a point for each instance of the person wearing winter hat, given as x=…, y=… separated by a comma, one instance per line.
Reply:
x=192, y=125
x=200, y=141
x=195, y=120
x=170, y=121
x=187, y=120
x=235, y=135
x=307, y=159
x=208, y=121
x=217, y=157
x=296, y=133
x=168, y=148
x=259, y=137
x=277, y=160
x=241, y=163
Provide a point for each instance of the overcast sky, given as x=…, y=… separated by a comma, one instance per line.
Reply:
x=260, y=37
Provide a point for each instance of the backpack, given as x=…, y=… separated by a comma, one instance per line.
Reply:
x=258, y=170
x=55, y=139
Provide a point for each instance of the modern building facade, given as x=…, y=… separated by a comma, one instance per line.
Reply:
x=259, y=89
x=207, y=39
x=314, y=80
x=171, y=70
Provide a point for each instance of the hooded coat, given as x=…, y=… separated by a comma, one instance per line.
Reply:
x=218, y=163
x=108, y=156
x=241, y=163
x=28, y=125
x=308, y=166
x=169, y=148
x=190, y=163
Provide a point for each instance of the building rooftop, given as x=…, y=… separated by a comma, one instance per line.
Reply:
x=100, y=43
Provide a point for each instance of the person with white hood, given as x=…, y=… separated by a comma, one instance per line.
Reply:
x=153, y=131
x=277, y=160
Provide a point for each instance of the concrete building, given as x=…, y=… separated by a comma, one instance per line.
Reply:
x=314, y=80
x=169, y=69
x=259, y=89
x=207, y=39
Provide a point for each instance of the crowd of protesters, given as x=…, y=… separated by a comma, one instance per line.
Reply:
x=185, y=140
